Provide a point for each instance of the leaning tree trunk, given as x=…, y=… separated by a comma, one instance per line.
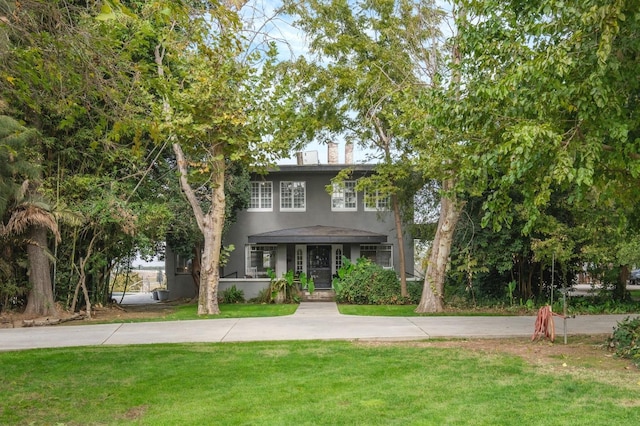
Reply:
x=210, y=225
x=40, y=300
x=210, y=268
x=432, y=299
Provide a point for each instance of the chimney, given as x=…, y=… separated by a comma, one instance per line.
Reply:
x=333, y=153
x=348, y=153
x=299, y=158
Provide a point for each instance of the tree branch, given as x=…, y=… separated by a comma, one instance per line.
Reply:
x=186, y=188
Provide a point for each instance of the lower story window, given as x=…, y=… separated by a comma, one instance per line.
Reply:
x=259, y=260
x=183, y=264
x=380, y=254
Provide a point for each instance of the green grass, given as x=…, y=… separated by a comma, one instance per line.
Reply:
x=409, y=311
x=190, y=312
x=298, y=383
x=187, y=312
x=379, y=310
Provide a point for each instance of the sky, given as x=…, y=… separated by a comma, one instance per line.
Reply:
x=269, y=26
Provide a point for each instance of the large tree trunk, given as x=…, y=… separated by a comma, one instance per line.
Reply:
x=620, y=290
x=40, y=300
x=211, y=226
x=210, y=272
x=400, y=236
x=432, y=299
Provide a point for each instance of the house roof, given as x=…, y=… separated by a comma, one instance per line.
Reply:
x=320, y=168
x=318, y=234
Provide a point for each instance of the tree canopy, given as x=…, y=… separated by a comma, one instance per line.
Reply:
x=526, y=111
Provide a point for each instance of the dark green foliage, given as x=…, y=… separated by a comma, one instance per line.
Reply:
x=484, y=261
x=287, y=288
x=16, y=159
x=626, y=339
x=16, y=168
x=366, y=283
x=283, y=289
x=602, y=303
x=233, y=295
x=414, y=288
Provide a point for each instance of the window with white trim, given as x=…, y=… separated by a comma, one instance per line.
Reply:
x=261, y=196
x=381, y=254
x=338, y=259
x=299, y=260
x=259, y=259
x=293, y=196
x=344, y=196
x=375, y=202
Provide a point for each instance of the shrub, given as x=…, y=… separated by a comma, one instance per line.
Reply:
x=414, y=288
x=367, y=283
x=264, y=296
x=233, y=295
x=285, y=288
x=626, y=339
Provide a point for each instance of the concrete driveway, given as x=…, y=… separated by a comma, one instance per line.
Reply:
x=312, y=321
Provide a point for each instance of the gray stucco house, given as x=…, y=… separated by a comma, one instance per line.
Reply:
x=293, y=223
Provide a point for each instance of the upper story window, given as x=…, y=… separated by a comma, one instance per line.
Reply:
x=293, y=196
x=344, y=196
x=374, y=201
x=261, y=196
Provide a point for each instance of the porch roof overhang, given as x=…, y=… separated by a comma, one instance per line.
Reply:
x=317, y=235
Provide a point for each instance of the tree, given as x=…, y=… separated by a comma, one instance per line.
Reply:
x=542, y=98
x=28, y=214
x=65, y=75
x=373, y=58
x=443, y=155
x=207, y=97
x=26, y=217
x=551, y=105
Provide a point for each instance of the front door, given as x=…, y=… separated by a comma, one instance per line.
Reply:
x=319, y=265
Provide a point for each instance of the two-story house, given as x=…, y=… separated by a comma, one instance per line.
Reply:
x=294, y=223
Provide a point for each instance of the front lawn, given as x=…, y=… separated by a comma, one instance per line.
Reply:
x=409, y=311
x=174, y=311
x=238, y=310
x=307, y=383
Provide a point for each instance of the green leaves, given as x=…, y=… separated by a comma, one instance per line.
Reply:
x=540, y=109
x=106, y=13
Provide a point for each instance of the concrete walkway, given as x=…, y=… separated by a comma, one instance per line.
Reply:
x=312, y=321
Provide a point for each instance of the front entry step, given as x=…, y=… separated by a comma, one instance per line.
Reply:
x=319, y=296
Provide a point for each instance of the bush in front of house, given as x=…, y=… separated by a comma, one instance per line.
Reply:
x=366, y=283
x=414, y=288
x=233, y=295
x=625, y=339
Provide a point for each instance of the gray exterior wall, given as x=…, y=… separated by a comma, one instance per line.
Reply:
x=181, y=286
x=318, y=212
